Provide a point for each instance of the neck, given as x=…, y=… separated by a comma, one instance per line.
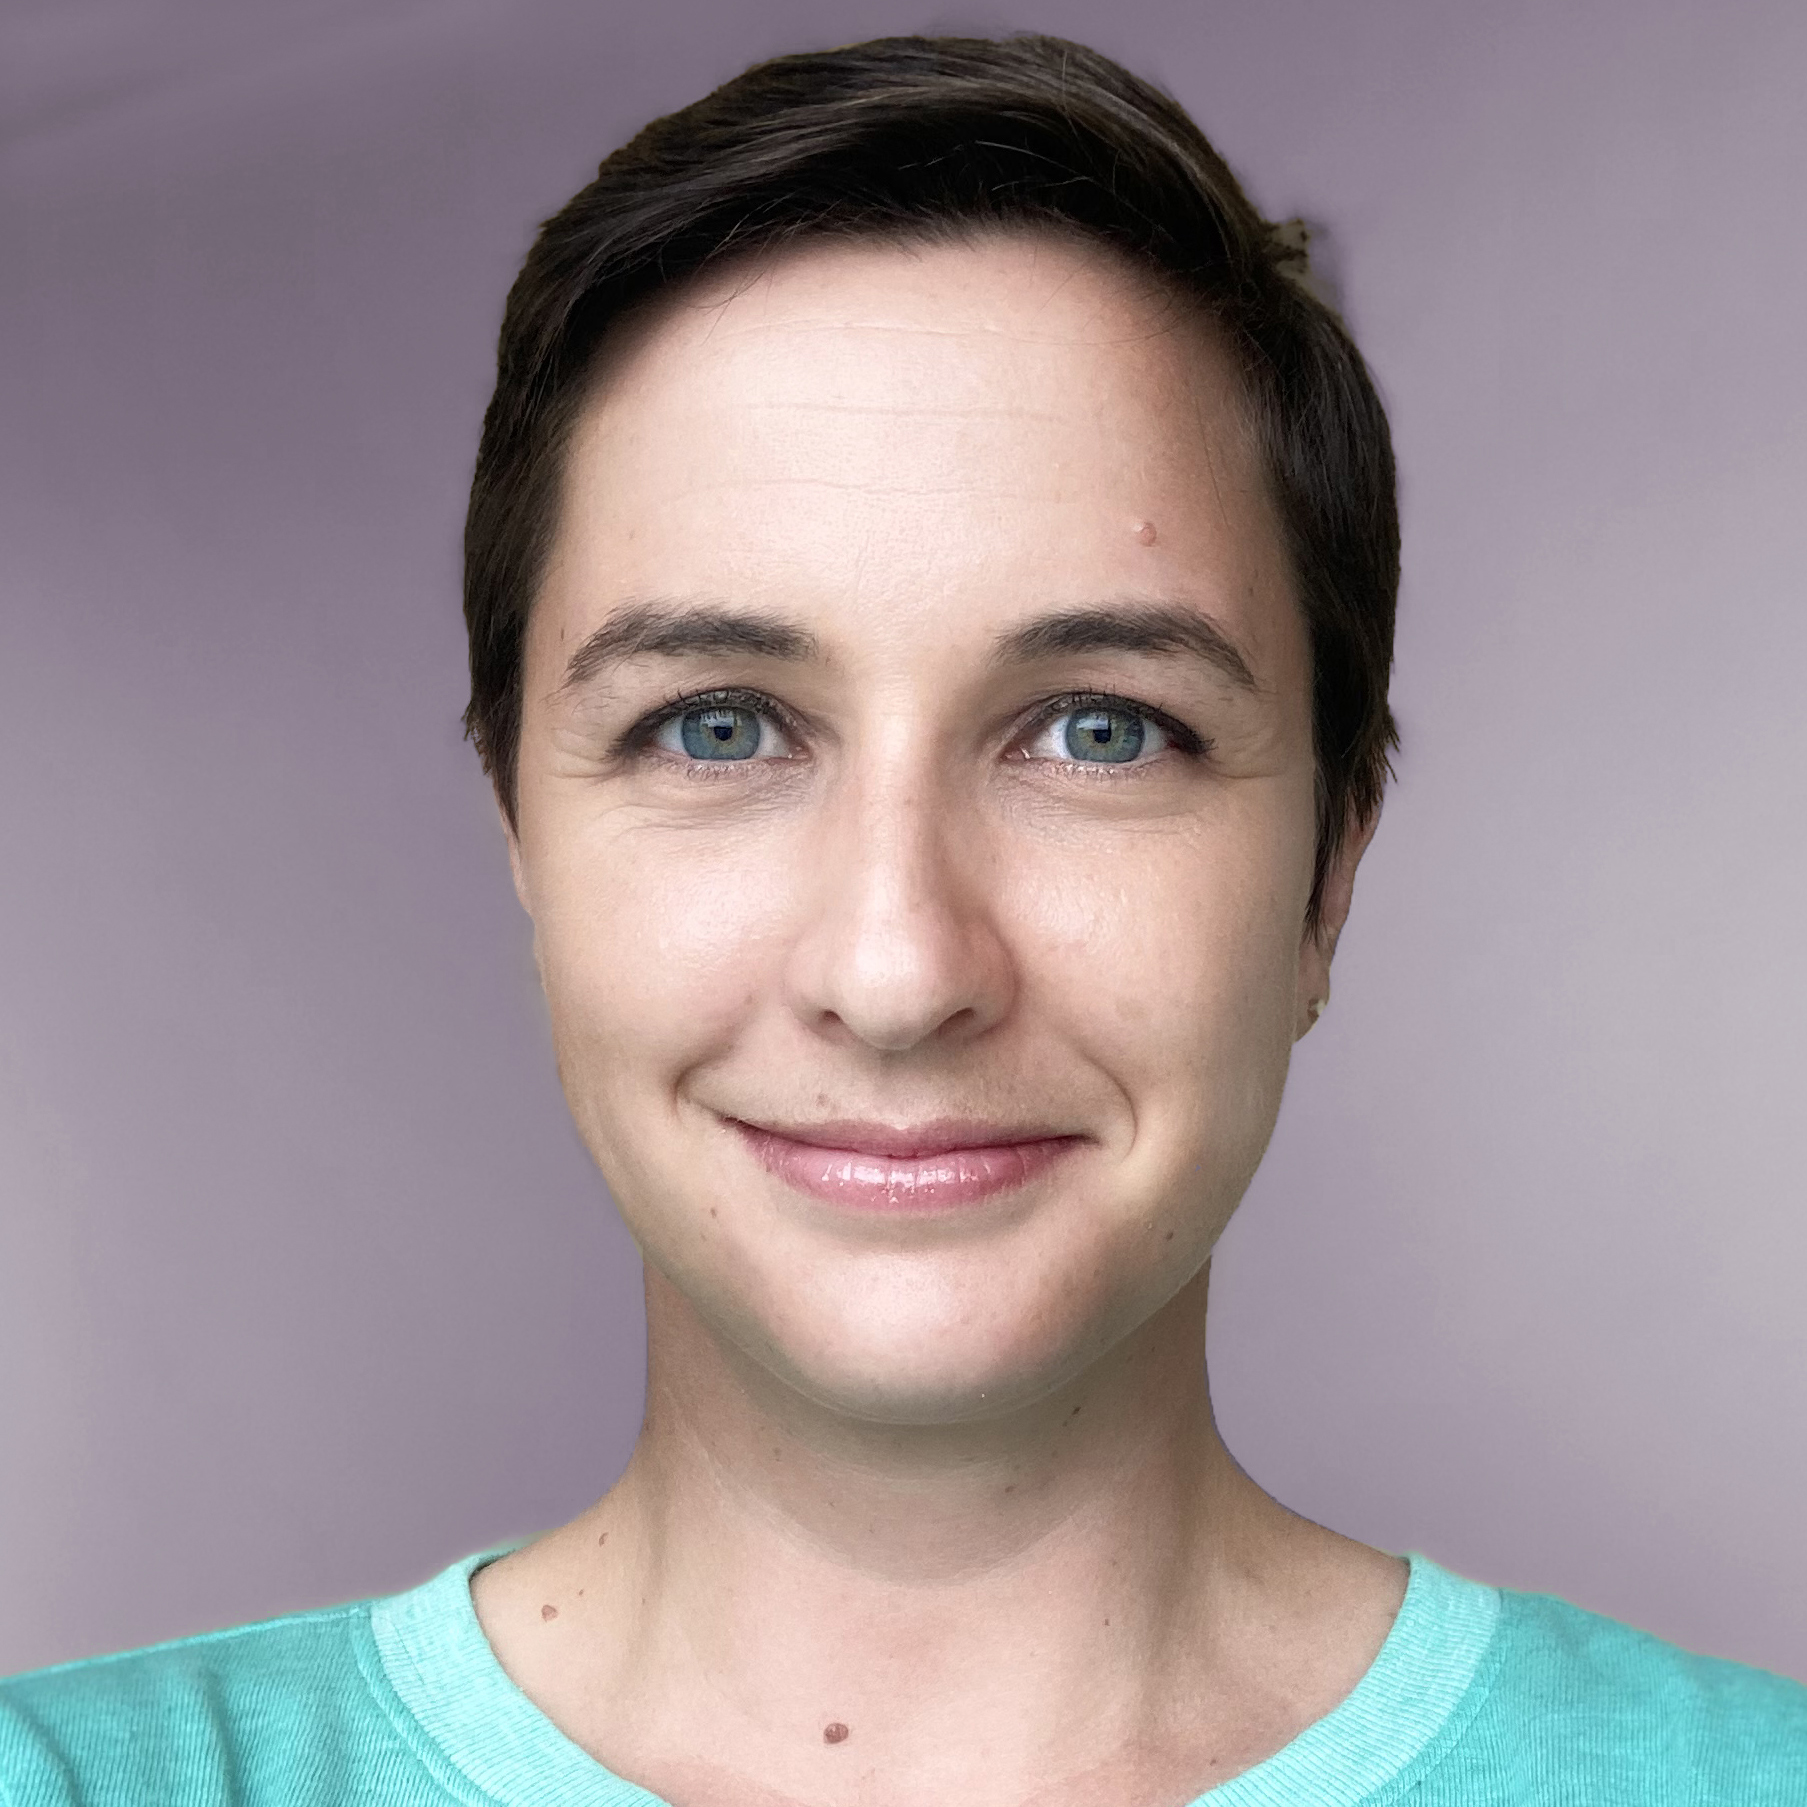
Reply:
x=1047, y=1591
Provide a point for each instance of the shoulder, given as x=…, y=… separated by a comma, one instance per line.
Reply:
x=1575, y=1698
x=286, y=1710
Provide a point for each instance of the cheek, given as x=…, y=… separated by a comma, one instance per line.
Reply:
x=1173, y=966
x=655, y=948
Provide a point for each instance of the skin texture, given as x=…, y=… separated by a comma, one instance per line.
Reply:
x=946, y=1479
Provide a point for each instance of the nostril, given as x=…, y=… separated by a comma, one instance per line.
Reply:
x=898, y=1025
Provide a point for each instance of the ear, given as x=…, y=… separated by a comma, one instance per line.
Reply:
x=514, y=858
x=1319, y=946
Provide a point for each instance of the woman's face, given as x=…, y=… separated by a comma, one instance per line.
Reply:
x=916, y=811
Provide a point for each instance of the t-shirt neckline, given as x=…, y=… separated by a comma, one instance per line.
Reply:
x=442, y=1667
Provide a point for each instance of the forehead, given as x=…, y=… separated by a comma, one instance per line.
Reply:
x=952, y=432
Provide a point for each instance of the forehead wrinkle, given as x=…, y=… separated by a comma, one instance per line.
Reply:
x=921, y=329
x=871, y=486
x=890, y=410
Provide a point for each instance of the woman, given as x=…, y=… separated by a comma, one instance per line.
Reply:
x=930, y=580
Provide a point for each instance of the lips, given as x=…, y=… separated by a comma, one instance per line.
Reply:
x=931, y=1167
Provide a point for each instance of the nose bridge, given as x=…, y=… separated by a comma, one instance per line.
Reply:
x=904, y=946
x=896, y=825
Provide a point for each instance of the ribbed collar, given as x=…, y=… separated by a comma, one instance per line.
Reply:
x=1403, y=1712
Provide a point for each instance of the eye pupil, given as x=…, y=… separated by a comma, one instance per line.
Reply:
x=720, y=733
x=1112, y=736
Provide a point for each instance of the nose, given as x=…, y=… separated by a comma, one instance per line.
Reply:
x=903, y=948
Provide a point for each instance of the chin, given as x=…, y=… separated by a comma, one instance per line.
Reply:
x=917, y=1353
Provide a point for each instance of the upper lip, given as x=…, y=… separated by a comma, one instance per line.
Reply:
x=941, y=1135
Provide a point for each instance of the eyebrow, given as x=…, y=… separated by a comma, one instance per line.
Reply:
x=1135, y=628
x=672, y=630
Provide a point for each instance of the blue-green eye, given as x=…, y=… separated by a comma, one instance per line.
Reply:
x=1111, y=735
x=720, y=731
x=1099, y=734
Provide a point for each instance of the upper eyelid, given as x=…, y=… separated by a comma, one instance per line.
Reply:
x=722, y=697
x=1094, y=699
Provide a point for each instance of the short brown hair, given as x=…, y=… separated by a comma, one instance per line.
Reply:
x=903, y=138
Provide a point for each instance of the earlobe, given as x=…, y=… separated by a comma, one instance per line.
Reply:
x=1308, y=1017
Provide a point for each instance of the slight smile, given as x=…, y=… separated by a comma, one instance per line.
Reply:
x=878, y=1167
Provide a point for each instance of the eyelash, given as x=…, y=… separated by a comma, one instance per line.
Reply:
x=639, y=737
x=1185, y=741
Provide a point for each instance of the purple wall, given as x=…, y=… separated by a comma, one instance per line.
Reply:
x=305, y=1284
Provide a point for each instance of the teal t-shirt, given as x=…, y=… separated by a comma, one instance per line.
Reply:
x=1478, y=1698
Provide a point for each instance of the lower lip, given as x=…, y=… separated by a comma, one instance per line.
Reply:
x=905, y=1183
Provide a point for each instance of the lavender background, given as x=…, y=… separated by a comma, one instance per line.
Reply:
x=305, y=1284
